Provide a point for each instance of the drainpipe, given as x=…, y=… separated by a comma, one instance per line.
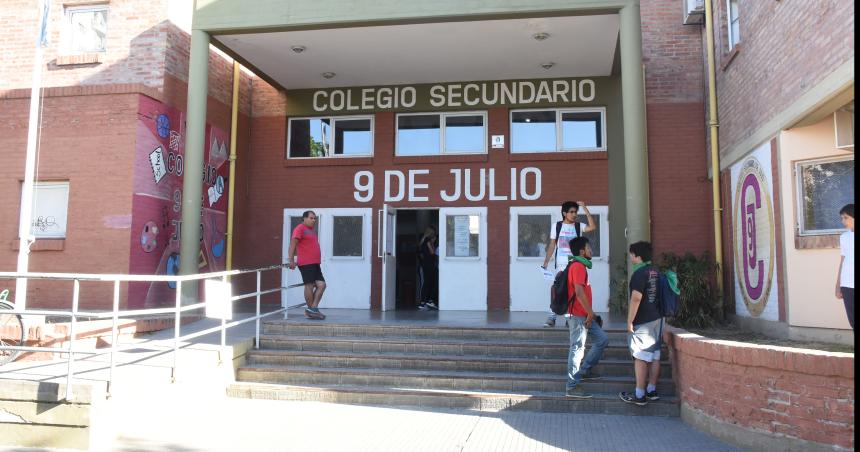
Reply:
x=714, y=125
x=234, y=123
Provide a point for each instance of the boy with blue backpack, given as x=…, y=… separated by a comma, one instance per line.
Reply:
x=653, y=296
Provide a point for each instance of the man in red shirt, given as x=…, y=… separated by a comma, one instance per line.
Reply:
x=304, y=240
x=581, y=321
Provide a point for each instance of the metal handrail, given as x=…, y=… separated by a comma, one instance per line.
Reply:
x=115, y=314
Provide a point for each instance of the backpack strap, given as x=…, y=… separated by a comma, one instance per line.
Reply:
x=557, y=232
x=578, y=227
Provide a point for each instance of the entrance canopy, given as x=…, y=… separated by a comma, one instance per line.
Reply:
x=532, y=48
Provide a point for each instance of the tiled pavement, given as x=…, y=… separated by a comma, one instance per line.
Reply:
x=193, y=417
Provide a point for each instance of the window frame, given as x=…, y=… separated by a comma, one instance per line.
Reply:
x=333, y=238
x=731, y=39
x=333, y=144
x=800, y=229
x=442, y=117
x=559, y=129
x=50, y=184
x=67, y=34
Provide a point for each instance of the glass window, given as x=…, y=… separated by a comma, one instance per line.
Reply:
x=346, y=236
x=295, y=221
x=825, y=186
x=581, y=130
x=533, y=235
x=418, y=134
x=593, y=236
x=464, y=134
x=461, y=235
x=86, y=29
x=50, y=209
x=734, y=28
x=352, y=137
x=317, y=137
x=533, y=131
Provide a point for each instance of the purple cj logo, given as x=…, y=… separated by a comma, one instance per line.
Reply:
x=754, y=236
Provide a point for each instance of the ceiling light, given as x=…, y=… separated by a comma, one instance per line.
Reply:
x=298, y=49
x=547, y=65
x=540, y=36
x=328, y=74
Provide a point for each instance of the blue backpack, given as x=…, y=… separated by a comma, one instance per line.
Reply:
x=668, y=294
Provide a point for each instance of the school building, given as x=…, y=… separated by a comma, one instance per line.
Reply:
x=478, y=118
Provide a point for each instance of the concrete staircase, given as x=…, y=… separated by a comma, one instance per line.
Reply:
x=488, y=369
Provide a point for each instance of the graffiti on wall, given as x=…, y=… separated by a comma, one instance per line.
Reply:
x=754, y=236
x=157, y=201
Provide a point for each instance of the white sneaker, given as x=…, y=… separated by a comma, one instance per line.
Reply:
x=431, y=306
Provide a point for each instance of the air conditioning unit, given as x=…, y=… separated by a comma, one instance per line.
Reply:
x=843, y=124
x=694, y=11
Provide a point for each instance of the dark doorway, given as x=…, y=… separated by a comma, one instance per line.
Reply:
x=410, y=227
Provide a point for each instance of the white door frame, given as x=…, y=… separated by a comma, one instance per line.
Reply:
x=347, y=277
x=463, y=280
x=386, y=251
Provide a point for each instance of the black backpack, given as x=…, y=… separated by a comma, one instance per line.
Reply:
x=559, y=298
x=558, y=224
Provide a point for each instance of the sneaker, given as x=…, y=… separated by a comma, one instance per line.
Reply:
x=550, y=322
x=320, y=315
x=431, y=306
x=652, y=396
x=631, y=398
x=422, y=307
x=309, y=313
x=591, y=375
x=577, y=393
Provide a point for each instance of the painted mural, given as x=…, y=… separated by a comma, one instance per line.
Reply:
x=157, y=203
x=754, y=236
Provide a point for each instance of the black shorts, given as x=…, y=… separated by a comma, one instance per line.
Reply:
x=311, y=273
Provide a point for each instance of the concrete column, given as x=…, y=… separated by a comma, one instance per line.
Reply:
x=635, y=149
x=195, y=139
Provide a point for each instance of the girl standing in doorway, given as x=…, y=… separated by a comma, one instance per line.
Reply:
x=429, y=262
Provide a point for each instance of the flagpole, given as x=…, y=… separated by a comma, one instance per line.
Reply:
x=30, y=163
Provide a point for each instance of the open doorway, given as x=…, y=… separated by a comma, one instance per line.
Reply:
x=411, y=227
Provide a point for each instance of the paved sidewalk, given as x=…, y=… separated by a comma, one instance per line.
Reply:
x=182, y=421
x=148, y=413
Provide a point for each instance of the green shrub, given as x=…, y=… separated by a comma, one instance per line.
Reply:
x=700, y=300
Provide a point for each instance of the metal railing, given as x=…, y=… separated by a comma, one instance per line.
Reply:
x=116, y=314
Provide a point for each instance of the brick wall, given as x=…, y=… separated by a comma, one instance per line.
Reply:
x=786, y=48
x=773, y=391
x=677, y=155
x=87, y=140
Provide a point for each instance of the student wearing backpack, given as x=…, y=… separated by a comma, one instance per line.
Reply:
x=644, y=325
x=581, y=321
x=560, y=235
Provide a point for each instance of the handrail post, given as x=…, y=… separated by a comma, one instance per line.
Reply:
x=176, y=331
x=223, y=329
x=76, y=293
x=257, y=334
x=114, y=336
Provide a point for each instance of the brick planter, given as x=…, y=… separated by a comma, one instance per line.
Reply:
x=765, y=397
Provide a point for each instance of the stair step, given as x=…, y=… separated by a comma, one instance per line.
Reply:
x=368, y=345
x=475, y=400
x=557, y=334
x=436, y=379
x=608, y=367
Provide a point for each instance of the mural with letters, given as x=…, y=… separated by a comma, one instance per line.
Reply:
x=157, y=201
x=754, y=236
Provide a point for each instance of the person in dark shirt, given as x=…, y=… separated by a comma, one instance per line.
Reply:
x=644, y=325
x=429, y=263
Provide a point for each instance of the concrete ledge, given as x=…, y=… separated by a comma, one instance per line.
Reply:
x=749, y=439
